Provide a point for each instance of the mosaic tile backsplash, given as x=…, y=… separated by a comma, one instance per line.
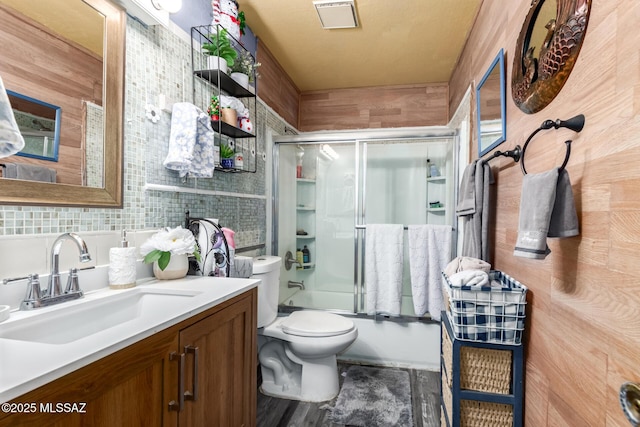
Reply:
x=158, y=64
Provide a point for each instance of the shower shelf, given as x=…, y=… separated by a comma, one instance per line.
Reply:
x=436, y=209
x=305, y=208
x=307, y=266
x=436, y=178
x=308, y=236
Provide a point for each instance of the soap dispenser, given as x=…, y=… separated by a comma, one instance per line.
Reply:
x=122, y=265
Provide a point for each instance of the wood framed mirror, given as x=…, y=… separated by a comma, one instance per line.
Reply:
x=28, y=74
x=546, y=51
x=491, y=107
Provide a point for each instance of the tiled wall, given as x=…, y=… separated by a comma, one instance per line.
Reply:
x=157, y=63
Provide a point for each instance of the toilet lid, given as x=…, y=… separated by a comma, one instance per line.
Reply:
x=307, y=323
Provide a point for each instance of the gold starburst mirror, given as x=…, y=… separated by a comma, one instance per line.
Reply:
x=546, y=51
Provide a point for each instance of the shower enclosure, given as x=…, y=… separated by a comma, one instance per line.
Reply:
x=329, y=186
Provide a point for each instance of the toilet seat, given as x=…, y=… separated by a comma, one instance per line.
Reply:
x=308, y=323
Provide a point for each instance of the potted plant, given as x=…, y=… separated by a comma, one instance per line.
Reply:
x=244, y=69
x=226, y=154
x=169, y=250
x=214, y=108
x=222, y=54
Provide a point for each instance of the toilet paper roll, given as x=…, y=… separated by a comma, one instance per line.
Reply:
x=122, y=268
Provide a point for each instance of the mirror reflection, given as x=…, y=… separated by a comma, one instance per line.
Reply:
x=39, y=124
x=56, y=92
x=491, y=107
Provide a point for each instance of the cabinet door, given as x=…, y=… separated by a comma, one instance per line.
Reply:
x=220, y=375
x=125, y=389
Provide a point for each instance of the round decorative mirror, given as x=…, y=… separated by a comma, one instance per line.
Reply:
x=547, y=49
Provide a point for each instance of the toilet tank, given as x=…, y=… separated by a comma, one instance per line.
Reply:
x=267, y=269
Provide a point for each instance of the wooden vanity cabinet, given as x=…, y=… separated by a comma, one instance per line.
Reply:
x=140, y=384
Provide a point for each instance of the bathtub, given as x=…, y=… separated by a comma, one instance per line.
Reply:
x=407, y=342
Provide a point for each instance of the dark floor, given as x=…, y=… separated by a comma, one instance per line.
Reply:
x=425, y=394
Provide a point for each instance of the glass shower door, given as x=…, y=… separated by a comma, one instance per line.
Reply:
x=316, y=214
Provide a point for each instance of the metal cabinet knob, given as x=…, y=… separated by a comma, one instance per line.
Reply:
x=630, y=402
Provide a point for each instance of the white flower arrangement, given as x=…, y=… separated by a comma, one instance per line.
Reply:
x=167, y=242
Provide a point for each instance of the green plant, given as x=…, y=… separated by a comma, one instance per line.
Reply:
x=219, y=45
x=226, y=152
x=246, y=65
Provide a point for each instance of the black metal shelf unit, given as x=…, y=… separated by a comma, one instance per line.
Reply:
x=208, y=82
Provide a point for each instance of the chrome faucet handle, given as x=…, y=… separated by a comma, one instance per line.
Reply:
x=73, y=283
x=33, y=288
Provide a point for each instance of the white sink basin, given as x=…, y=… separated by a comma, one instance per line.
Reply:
x=69, y=322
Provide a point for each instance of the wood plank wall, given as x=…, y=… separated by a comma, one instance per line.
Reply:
x=45, y=67
x=275, y=87
x=355, y=108
x=584, y=302
x=374, y=107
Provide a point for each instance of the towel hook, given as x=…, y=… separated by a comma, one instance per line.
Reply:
x=575, y=124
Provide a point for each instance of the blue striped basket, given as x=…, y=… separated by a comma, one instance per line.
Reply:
x=491, y=313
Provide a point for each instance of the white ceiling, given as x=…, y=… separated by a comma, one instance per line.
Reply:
x=398, y=42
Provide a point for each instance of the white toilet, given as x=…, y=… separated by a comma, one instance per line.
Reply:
x=298, y=352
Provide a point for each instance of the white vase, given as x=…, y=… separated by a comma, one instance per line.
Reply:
x=218, y=63
x=242, y=79
x=176, y=269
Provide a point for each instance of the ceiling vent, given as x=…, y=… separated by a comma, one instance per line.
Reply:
x=336, y=14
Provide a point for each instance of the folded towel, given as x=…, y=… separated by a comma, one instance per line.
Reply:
x=469, y=278
x=564, y=219
x=536, y=204
x=384, y=262
x=11, y=140
x=29, y=172
x=429, y=251
x=466, y=263
x=190, y=142
x=242, y=267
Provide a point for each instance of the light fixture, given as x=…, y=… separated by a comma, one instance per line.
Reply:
x=336, y=13
x=171, y=6
x=328, y=152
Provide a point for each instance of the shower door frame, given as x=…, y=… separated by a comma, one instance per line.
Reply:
x=357, y=138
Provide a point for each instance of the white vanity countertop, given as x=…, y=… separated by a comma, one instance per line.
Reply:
x=28, y=364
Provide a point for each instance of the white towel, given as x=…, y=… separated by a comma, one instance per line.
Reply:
x=190, y=142
x=384, y=259
x=11, y=140
x=469, y=278
x=429, y=253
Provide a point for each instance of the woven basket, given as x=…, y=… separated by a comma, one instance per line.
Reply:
x=485, y=414
x=447, y=355
x=447, y=400
x=486, y=370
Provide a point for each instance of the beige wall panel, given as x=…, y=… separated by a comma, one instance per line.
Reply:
x=374, y=107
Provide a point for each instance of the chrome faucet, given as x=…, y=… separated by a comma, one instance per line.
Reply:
x=292, y=284
x=54, y=294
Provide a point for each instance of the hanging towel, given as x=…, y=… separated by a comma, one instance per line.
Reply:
x=536, y=204
x=429, y=253
x=190, y=142
x=29, y=172
x=547, y=209
x=475, y=242
x=564, y=218
x=384, y=262
x=11, y=140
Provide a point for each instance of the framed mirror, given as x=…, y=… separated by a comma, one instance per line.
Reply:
x=52, y=74
x=546, y=51
x=39, y=124
x=491, y=107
